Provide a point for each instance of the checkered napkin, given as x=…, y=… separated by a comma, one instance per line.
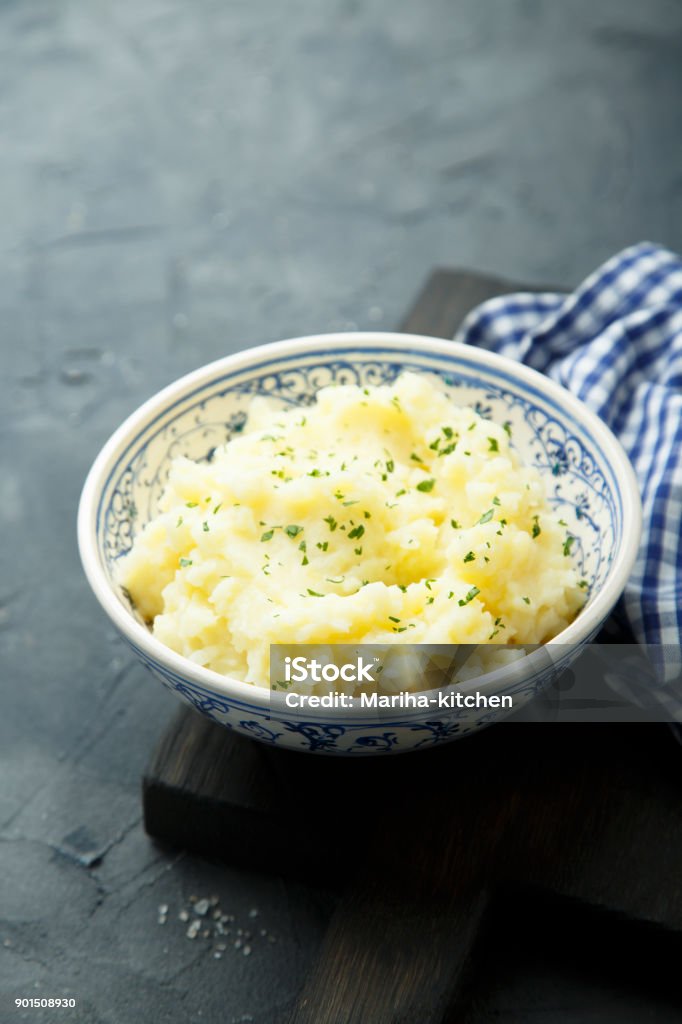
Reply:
x=616, y=343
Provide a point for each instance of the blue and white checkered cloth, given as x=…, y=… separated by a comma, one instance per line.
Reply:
x=616, y=343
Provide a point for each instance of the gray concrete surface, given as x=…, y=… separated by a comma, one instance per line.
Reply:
x=180, y=180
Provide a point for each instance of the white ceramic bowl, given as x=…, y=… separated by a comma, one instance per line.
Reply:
x=590, y=481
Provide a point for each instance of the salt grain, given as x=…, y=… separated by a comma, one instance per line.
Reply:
x=253, y=912
x=183, y=915
x=193, y=930
x=247, y=951
x=201, y=907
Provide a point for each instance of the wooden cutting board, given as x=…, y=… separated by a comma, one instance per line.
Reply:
x=422, y=845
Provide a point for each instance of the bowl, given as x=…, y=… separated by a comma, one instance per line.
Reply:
x=590, y=482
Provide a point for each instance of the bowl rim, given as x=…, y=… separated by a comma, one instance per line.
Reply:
x=577, y=633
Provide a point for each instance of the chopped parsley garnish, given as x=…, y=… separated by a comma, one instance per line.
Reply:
x=314, y=472
x=393, y=618
x=455, y=524
x=449, y=450
x=314, y=593
x=358, y=551
x=268, y=535
x=332, y=523
x=179, y=522
x=415, y=457
x=487, y=516
x=526, y=599
x=468, y=597
x=335, y=579
x=583, y=584
x=469, y=557
x=322, y=545
x=494, y=446
x=292, y=530
x=448, y=431
x=496, y=500
x=568, y=544
x=185, y=561
x=390, y=465
x=205, y=526
x=217, y=508
x=507, y=428
x=191, y=504
x=367, y=515
x=357, y=532
x=536, y=531
x=426, y=485
x=434, y=445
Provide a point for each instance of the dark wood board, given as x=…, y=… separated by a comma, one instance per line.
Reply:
x=422, y=844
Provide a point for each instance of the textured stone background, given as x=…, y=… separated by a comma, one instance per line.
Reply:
x=180, y=180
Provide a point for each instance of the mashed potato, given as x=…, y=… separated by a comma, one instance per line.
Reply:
x=377, y=515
